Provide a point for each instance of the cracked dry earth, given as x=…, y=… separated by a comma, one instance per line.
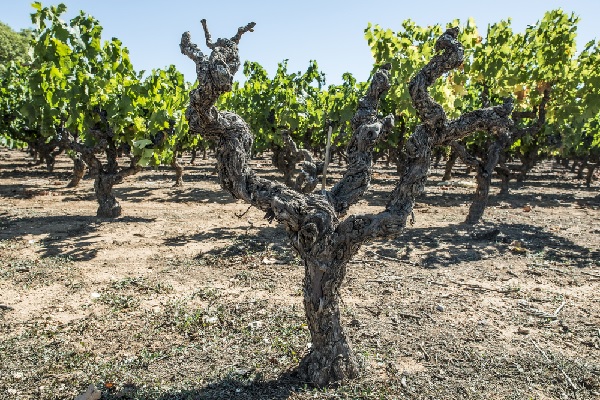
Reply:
x=190, y=295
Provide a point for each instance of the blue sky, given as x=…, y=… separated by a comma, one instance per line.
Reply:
x=331, y=32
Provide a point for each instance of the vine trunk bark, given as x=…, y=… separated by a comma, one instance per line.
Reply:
x=590, y=174
x=78, y=172
x=449, y=165
x=330, y=357
x=178, y=171
x=106, y=175
x=484, y=171
x=108, y=206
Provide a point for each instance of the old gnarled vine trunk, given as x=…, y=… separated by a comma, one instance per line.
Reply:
x=315, y=223
x=106, y=175
x=484, y=169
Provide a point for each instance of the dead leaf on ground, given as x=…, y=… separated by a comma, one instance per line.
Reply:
x=517, y=247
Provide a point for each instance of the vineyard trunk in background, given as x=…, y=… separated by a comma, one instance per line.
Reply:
x=286, y=157
x=78, y=171
x=533, y=130
x=106, y=175
x=48, y=151
x=81, y=94
x=314, y=222
x=484, y=162
x=178, y=167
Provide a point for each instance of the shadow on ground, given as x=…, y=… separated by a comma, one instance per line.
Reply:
x=449, y=245
x=69, y=236
x=232, y=387
x=241, y=241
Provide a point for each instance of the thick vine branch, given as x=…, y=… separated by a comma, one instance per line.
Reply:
x=234, y=138
x=367, y=130
x=190, y=49
x=434, y=130
x=209, y=42
x=215, y=77
x=241, y=30
x=451, y=56
x=484, y=119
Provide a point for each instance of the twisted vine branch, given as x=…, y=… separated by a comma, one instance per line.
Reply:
x=434, y=130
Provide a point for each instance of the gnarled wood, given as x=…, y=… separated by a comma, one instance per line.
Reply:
x=313, y=222
x=308, y=177
x=105, y=175
x=449, y=165
x=78, y=171
x=288, y=156
x=484, y=169
x=178, y=167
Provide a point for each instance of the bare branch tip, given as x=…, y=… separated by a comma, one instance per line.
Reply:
x=186, y=39
x=241, y=30
x=209, y=42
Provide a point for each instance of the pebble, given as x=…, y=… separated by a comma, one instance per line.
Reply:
x=255, y=325
x=209, y=320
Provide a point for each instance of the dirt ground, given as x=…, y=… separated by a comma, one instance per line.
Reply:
x=190, y=295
